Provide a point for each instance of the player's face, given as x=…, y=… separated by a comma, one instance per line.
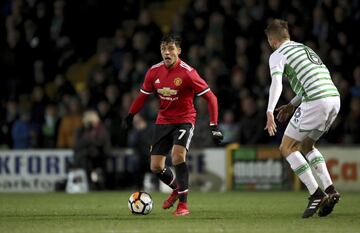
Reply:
x=170, y=53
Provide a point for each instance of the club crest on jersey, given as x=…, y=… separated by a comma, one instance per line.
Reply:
x=167, y=91
x=177, y=81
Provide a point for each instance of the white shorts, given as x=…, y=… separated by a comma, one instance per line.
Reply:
x=312, y=119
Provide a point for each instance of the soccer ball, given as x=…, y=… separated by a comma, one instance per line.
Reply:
x=140, y=203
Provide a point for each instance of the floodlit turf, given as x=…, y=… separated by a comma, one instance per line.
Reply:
x=210, y=212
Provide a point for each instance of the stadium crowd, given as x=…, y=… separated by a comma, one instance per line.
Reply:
x=60, y=58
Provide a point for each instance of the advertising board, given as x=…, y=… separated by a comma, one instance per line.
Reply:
x=257, y=168
x=32, y=170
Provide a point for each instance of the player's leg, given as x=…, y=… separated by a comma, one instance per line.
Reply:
x=317, y=162
x=327, y=108
x=182, y=177
x=308, y=116
x=182, y=137
x=290, y=148
x=162, y=171
x=161, y=147
x=165, y=174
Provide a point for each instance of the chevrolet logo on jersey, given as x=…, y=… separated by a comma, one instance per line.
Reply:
x=167, y=91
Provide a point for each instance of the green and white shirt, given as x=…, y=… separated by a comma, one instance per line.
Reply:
x=307, y=74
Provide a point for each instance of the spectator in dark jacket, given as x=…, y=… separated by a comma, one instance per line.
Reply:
x=23, y=132
x=92, y=147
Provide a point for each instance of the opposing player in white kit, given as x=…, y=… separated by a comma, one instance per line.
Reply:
x=317, y=103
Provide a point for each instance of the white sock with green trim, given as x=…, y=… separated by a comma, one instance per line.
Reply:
x=317, y=161
x=302, y=169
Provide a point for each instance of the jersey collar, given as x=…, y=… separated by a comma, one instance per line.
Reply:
x=284, y=43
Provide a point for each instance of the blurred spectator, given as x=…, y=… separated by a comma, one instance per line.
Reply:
x=7, y=121
x=352, y=126
x=141, y=45
x=62, y=88
x=97, y=83
x=84, y=96
x=123, y=80
x=103, y=58
x=233, y=90
x=92, y=148
x=38, y=102
x=71, y=121
x=139, y=72
x=120, y=49
x=64, y=54
x=261, y=82
x=59, y=23
x=345, y=92
x=355, y=88
x=146, y=25
x=250, y=132
x=229, y=127
x=39, y=73
x=140, y=140
x=50, y=127
x=23, y=134
x=112, y=96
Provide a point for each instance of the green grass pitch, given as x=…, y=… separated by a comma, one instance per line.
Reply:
x=210, y=212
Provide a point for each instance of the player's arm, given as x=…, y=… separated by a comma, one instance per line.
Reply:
x=276, y=63
x=139, y=101
x=136, y=106
x=202, y=89
x=212, y=106
x=213, y=113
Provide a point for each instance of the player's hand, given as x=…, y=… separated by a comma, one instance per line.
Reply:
x=128, y=122
x=270, y=124
x=216, y=134
x=284, y=112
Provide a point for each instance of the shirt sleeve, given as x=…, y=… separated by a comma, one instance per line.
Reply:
x=276, y=64
x=212, y=107
x=148, y=87
x=198, y=84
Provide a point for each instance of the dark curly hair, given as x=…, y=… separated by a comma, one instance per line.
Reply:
x=171, y=38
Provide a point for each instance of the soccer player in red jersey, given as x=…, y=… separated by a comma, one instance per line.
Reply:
x=175, y=83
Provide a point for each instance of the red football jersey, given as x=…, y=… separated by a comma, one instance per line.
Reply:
x=176, y=88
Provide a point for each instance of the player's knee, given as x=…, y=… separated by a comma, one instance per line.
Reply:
x=283, y=150
x=286, y=149
x=177, y=159
x=156, y=168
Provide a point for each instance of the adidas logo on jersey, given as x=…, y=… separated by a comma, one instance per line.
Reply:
x=157, y=81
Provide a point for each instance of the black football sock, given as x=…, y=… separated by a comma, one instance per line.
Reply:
x=330, y=189
x=167, y=177
x=182, y=177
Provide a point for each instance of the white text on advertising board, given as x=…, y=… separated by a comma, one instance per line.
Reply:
x=267, y=171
